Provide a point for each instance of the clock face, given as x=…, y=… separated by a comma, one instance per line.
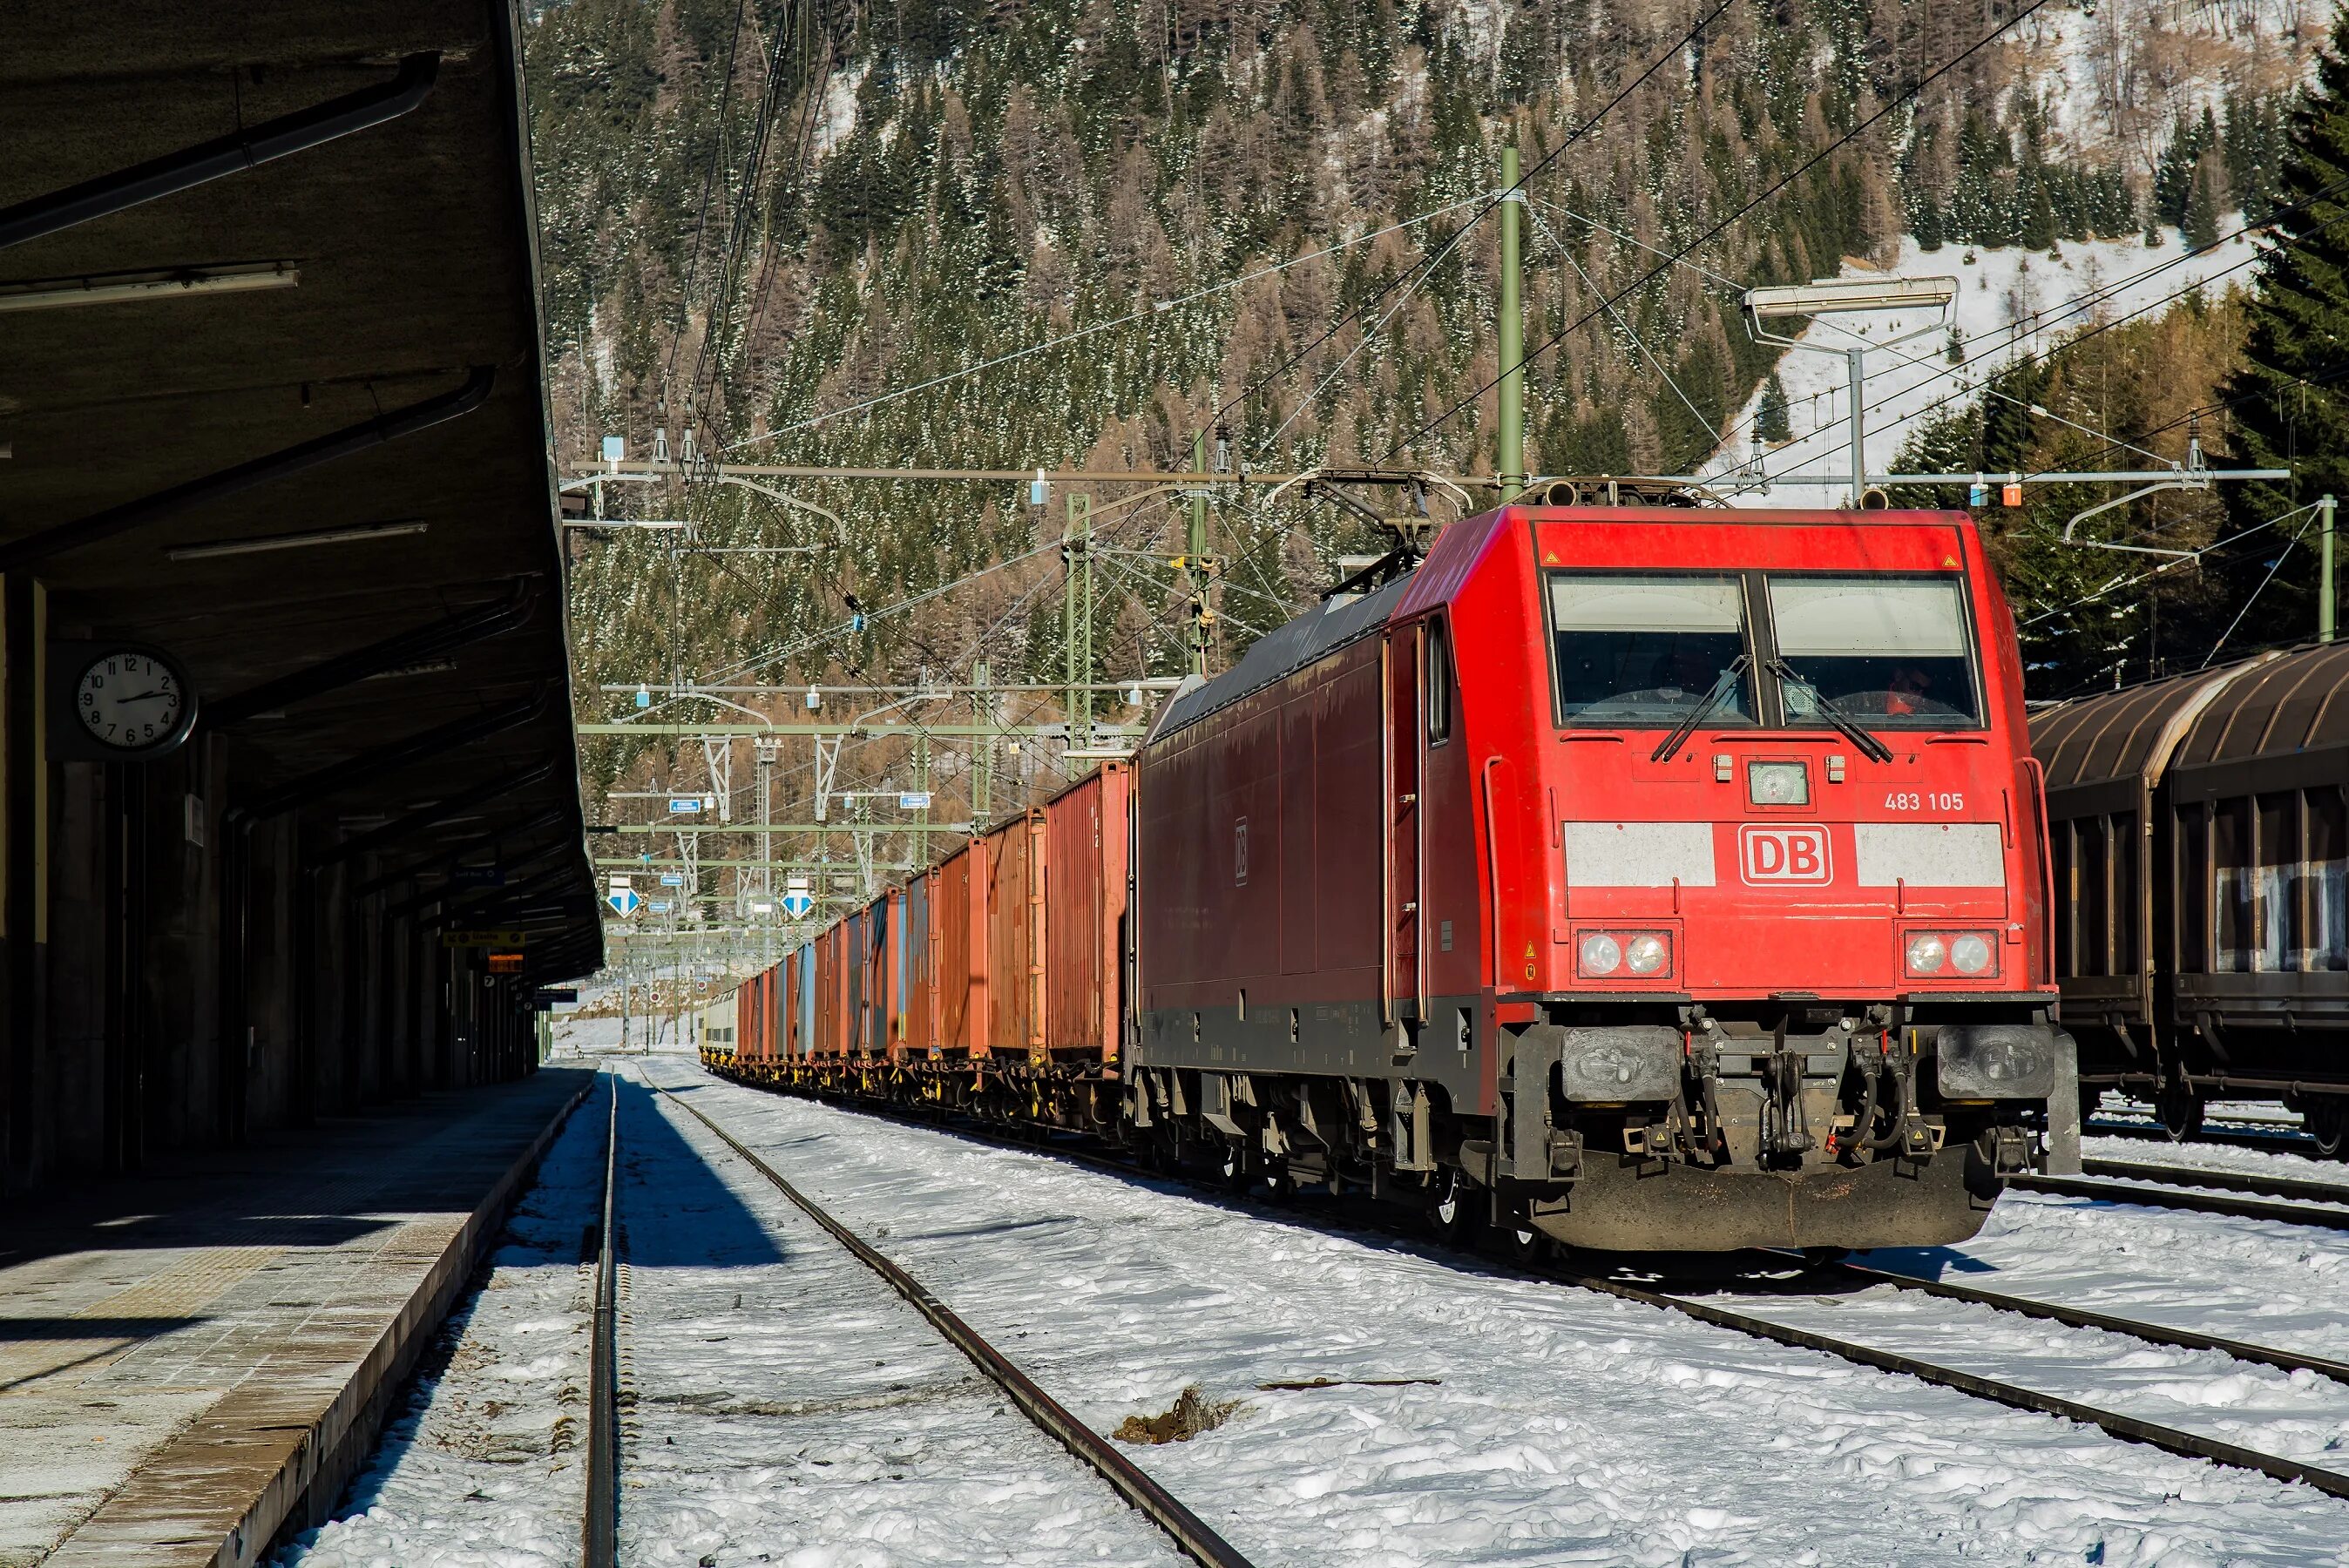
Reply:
x=129, y=700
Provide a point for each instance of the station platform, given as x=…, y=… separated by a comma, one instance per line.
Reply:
x=195, y=1359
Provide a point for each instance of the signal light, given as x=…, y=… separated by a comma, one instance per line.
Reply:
x=1644, y=955
x=1966, y=953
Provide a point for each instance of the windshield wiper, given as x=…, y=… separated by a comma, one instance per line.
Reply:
x=1671, y=743
x=1876, y=750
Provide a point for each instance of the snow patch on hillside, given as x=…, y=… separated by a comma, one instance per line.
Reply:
x=2116, y=78
x=2010, y=301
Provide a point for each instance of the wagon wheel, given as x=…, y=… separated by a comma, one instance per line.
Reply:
x=1453, y=1203
x=2327, y=1120
x=1234, y=1168
x=2180, y=1110
x=1525, y=1243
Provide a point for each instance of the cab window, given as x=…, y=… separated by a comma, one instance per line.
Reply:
x=1890, y=652
x=1648, y=647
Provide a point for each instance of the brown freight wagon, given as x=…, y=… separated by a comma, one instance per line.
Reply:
x=1085, y=845
x=919, y=986
x=1013, y=854
x=959, y=888
x=2200, y=841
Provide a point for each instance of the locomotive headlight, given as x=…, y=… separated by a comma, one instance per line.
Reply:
x=1777, y=784
x=1643, y=954
x=1970, y=952
x=1967, y=952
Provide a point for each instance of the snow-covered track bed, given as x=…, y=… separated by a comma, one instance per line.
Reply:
x=2278, y=1139
x=1408, y=1404
x=842, y=1417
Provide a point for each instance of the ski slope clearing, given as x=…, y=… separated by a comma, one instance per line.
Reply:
x=1540, y=1424
x=2010, y=301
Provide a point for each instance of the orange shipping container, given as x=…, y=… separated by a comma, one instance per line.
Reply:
x=1085, y=884
x=1014, y=855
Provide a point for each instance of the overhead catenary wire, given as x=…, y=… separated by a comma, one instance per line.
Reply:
x=2119, y=584
x=2273, y=567
x=1157, y=308
x=1627, y=330
x=1886, y=108
x=2081, y=304
x=1426, y=264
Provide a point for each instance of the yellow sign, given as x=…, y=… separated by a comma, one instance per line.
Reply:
x=482, y=938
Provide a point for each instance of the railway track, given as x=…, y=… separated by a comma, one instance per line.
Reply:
x=2282, y=1139
x=1360, y=1216
x=1189, y=1534
x=2281, y=1200
x=599, y=1526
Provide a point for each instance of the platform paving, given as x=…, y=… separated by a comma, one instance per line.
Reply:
x=191, y=1359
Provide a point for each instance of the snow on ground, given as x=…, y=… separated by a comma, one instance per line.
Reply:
x=2115, y=76
x=1546, y=1425
x=789, y=1407
x=2283, y=1162
x=481, y=1465
x=2010, y=301
x=2269, y=1284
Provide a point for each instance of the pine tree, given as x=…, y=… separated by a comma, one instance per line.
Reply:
x=2292, y=407
x=1772, y=420
x=2204, y=201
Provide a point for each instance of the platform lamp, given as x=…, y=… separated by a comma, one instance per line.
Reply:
x=1850, y=296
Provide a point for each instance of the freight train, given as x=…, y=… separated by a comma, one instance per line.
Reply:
x=2200, y=839
x=1641, y=877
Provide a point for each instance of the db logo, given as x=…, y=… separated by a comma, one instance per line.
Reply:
x=1785, y=854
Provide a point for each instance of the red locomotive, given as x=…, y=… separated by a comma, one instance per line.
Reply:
x=1648, y=878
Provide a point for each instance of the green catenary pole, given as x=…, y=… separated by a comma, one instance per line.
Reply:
x=1195, y=557
x=1511, y=463
x=2324, y=578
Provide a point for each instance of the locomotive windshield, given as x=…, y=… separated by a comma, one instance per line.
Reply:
x=1890, y=652
x=1648, y=647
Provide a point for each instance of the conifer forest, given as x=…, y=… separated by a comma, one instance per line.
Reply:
x=1109, y=229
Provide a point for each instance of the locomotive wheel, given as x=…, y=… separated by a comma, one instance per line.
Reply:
x=1453, y=1205
x=2180, y=1111
x=2327, y=1120
x=1234, y=1168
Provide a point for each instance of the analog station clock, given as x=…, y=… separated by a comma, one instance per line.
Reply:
x=116, y=702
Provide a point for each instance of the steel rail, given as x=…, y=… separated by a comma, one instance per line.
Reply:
x=2080, y=1317
x=2224, y=1181
x=599, y=1523
x=2133, y=1428
x=2283, y=1139
x=1188, y=1531
x=2129, y=1428
x=2168, y=1198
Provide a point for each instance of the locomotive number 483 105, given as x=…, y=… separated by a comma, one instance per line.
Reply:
x=1928, y=800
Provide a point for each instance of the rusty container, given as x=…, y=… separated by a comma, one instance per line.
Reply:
x=1014, y=872
x=1082, y=915
x=959, y=891
x=918, y=980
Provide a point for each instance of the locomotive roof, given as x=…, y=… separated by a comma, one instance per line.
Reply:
x=1283, y=651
